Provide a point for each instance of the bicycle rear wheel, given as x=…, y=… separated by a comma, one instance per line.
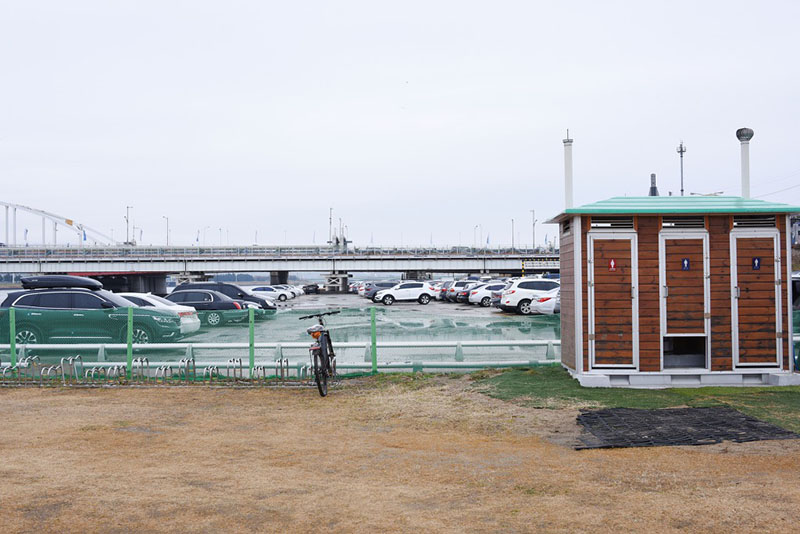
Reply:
x=320, y=374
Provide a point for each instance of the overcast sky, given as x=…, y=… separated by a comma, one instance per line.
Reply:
x=415, y=121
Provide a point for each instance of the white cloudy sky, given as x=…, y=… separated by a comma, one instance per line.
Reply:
x=415, y=121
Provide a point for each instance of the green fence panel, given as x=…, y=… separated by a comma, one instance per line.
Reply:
x=130, y=343
x=12, y=334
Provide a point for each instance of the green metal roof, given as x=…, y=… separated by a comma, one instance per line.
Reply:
x=678, y=205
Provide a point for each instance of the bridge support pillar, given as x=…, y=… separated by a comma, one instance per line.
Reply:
x=136, y=283
x=337, y=282
x=279, y=277
x=416, y=275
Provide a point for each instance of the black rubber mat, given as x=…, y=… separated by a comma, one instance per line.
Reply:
x=628, y=427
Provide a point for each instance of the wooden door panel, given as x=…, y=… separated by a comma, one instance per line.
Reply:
x=613, y=305
x=756, y=305
x=685, y=281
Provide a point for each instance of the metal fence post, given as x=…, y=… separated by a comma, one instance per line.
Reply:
x=130, y=342
x=374, y=346
x=12, y=335
x=251, y=318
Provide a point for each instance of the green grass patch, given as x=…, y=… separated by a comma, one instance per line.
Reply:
x=552, y=387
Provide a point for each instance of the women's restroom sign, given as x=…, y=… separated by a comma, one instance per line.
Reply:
x=612, y=265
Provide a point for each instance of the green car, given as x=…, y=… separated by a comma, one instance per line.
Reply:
x=80, y=315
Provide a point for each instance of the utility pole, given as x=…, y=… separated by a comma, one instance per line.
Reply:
x=533, y=229
x=330, y=226
x=681, y=150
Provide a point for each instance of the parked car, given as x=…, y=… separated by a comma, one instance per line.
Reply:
x=378, y=286
x=463, y=295
x=442, y=294
x=547, y=304
x=519, y=295
x=73, y=309
x=232, y=291
x=483, y=295
x=286, y=287
x=405, y=291
x=272, y=293
x=458, y=285
x=213, y=308
x=190, y=322
x=311, y=288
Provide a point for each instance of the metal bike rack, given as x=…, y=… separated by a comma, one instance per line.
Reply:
x=186, y=369
x=164, y=372
x=49, y=372
x=234, y=364
x=70, y=363
x=94, y=373
x=210, y=370
x=143, y=371
x=259, y=371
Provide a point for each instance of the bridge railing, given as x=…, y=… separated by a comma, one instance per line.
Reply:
x=263, y=251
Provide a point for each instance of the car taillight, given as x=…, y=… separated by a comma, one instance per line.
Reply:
x=451, y=290
x=238, y=306
x=186, y=313
x=474, y=292
x=544, y=299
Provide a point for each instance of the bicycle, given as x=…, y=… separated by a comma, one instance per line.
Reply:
x=322, y=356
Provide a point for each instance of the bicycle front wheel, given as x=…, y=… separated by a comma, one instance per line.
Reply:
x=320, y=374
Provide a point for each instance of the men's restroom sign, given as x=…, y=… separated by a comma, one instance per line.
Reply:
x=756, y=264
x=685, y=264
x=612, y=265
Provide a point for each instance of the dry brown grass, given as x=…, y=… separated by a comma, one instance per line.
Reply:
x=394, y=458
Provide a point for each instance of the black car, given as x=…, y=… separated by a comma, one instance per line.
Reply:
x=311, y=288
x=73, y=309
x=231, y=290
x=213, y=308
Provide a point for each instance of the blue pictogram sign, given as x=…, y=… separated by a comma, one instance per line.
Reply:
x=756, y=264
x=685, y=265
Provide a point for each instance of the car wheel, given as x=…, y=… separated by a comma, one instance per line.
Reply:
x=27, y=335
x=281, y=297
x=524, y=307
x=485, y=301
x=424, y=299
x=388, y=300
x=214, y=319
x=141, y=336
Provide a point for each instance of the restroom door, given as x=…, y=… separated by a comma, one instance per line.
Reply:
x=685, y=299
x=756, y=302
x=613, y=300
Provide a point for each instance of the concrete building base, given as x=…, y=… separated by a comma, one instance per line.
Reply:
x=687, y=379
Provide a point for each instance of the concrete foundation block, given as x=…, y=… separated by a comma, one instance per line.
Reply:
x=594, y=381
x=784, y=379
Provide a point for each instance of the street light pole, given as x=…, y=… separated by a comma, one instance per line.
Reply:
x=128, y=224
x=167, y=219
x=474, y=237
x=533, y=229
x=512, y=235
x=681, y=150
x=220, y=236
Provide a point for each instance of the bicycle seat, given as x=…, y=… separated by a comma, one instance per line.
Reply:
x=315, y=328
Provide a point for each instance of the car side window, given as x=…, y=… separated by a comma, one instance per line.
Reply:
x=406, y=286
x=526, y=285
x=82, y=301
x=225, y=290
x=27, y=301
x=207, y=297
x=61, y=301
x=414, y=286
x=193, y=296
x=178, y=296
x=138, y=301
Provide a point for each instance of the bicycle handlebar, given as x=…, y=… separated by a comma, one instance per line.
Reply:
x=319, y=315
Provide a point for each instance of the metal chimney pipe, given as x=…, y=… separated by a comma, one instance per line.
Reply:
x=744, y=135
x=653, y=188
x=567, y=172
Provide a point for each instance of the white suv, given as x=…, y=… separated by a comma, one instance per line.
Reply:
x=521, y=292
x=419, y=291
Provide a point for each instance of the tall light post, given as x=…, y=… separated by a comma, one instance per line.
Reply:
x=512, y=235
x=167, y=219
x=681, y=150
x=474, y=237
x=220, y=236
x=128, y=224
x=533, y=230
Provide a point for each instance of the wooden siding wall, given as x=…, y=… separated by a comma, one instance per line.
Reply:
x=649, y=313
x=567, y=257
x=719, y=249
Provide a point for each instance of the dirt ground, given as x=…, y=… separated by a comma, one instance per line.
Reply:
x=369, y=458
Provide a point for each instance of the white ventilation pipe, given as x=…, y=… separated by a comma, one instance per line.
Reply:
x=745, y=135
x=567, y=172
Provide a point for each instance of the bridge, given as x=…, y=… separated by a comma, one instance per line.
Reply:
x=139, y=268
